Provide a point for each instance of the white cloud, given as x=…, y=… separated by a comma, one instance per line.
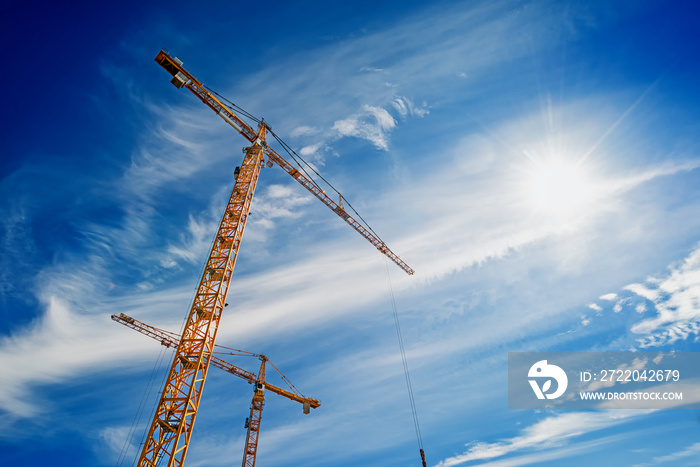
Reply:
x=18, y=248
x=168, y=263
x=117, y=440
x=405, y=108
x=304, y=130
x=671, y=308
x=311, y=149
x=122, y=265
x=60, y=345
x=384, y=120
x=274, y=203
x=372, y=124
x=676, y=301
x=595, y=307
x=369, y=68
x=172, y=153
x=537, y=458
x=643, y=291
x=692, y=450
x=546, y=434
x=193, y=244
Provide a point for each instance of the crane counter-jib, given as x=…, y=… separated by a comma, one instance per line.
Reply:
x=183, y=78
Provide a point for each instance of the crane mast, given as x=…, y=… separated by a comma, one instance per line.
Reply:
x=253, y=422
x=171, y=429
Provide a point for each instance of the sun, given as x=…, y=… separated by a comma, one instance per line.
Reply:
x=559, y=187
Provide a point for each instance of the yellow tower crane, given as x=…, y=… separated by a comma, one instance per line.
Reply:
x=170, y=339
x=170, y=431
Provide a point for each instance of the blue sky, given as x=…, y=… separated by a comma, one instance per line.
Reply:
x=442, y=123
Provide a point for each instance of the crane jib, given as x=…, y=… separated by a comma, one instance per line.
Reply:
x=173, y=65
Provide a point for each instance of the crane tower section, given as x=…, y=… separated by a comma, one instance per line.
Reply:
x=171, y=428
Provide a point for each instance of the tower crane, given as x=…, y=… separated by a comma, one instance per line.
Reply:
x=170, y=431
x=170, y=339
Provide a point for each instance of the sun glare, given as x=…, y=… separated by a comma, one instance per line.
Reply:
x=559, y=187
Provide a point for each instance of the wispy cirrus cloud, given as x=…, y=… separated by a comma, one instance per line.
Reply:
x=276, y=202
x=550, y=432
x=372, y=124
x=676, y=302
x=18, y=249
x=60, y=345
x=691, y=451
x=668, y=304
x=406, y=108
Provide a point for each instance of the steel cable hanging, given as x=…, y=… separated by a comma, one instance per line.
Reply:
x=131, y=434
x=407, y=375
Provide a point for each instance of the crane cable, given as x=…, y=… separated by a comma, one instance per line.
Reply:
x=407, y=375
x=131, y=434
x=296, y=156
